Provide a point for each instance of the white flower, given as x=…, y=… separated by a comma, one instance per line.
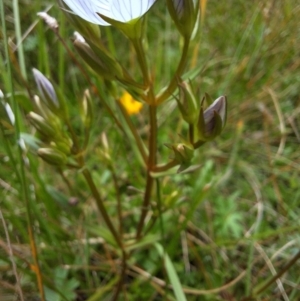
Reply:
x=119, y=10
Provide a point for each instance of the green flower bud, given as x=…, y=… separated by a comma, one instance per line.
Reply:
x=185, y=14
x=183, y=154
x=63, y=144
x=98, y=58
x=52, y=156
x=187, y=103
x=41, y=125
x=53, y=120
x=212, y=121
x=87, y=114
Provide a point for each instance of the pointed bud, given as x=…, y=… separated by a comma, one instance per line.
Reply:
x=53, y=120
x=87, y=111
x=63, y=144
x=50, y=21
x=185, y=14
x=212, y=121
x=99, y=60
x=187, y=103
x=50, y=94
x=183, y=154
x=52, y=156
x=42, y=125
x=46, y=90
x=41, y=108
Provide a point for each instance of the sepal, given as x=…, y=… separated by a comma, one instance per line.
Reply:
x=187, y=103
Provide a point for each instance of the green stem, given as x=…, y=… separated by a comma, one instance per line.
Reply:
x=19, y=39
x=166, y=166
x=61, y=53
x=118, y=197
x=88, y=177
x=138, y=46
x=137, y=43
x=122, y=277
x=173, y=83
x=134, y=132
x=151, y=167
x=191, y=133
x=198, y=144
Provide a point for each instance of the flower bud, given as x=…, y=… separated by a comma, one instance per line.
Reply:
x=46, y=90
x=99, y=60
x=41, y=125
x=50, y=94
x=212, y=121
x=184, y=13
x=187, y=103
x=63, y=144
x=51, y=119
x=87, y=114
x=52, y=156
x=50, y=21
x=183, y=154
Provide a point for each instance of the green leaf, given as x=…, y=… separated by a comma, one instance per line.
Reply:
x=178, y=291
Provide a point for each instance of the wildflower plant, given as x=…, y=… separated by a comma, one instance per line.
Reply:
x=67, y=147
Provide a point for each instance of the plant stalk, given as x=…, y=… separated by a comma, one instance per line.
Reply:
x=88, y=177
x=134, y=132
x=150, y=167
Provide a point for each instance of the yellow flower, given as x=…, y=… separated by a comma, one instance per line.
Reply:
x=130, y=104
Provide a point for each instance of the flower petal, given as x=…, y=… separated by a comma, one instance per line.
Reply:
x=87, y=10
x=45, y=87
x=119, y=10
x=127, y=10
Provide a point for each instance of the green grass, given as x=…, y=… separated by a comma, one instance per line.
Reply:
x=227, y=227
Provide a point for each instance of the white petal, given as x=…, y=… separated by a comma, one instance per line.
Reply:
x=45, y=86
x=10, y=113
x=87, y=10
x=126, y=10
x=119, y=10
